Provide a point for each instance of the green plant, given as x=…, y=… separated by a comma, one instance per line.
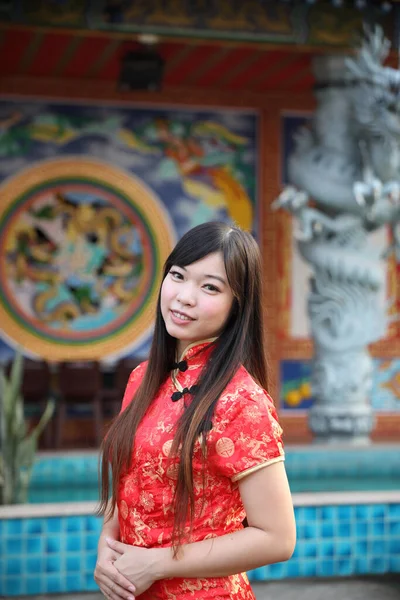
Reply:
x=18, y=445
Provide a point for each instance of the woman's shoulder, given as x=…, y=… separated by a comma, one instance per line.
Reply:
x=138, y=372
x=246, y=428
x=243, y=390
x=134, y=380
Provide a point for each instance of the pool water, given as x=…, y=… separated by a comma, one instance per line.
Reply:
x=61, y=478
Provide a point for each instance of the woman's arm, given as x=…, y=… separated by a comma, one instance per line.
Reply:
x=269, y=538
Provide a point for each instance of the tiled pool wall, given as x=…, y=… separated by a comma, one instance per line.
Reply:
x=52, y=548
x=51, y=554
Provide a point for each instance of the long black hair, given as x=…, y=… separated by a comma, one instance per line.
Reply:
x=240, y=342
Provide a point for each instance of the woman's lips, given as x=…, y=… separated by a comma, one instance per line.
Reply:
x=180, y=318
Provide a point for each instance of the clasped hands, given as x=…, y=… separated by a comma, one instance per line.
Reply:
x=123, y=572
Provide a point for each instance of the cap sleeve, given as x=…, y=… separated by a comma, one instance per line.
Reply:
x=248, y=436
x=135, y=379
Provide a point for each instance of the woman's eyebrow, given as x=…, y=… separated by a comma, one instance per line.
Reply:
x=221, y=279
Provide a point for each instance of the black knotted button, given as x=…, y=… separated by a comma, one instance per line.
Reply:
x=178, y=395
x=182, y=365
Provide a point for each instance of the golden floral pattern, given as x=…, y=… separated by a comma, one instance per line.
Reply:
x=245, y=436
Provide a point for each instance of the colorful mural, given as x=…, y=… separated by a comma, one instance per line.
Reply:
x=296, y=390
x=93, y=199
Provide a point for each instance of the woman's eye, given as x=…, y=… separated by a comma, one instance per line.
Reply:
x=211, y=288
x=176, y=274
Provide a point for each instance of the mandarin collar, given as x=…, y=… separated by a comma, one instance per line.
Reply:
x=193, y=349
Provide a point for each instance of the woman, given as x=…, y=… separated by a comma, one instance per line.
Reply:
x=197, y=447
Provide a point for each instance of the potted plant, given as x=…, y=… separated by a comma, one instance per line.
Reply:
x=18, y=444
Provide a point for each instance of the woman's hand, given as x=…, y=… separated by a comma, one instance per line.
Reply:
x=112, y=584
x=139, y=565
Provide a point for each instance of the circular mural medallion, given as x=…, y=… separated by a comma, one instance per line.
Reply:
x=82, y=245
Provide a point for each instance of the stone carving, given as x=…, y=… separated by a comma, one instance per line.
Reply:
x=345, y=184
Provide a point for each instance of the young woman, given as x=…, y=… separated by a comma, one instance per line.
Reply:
x=197, y=447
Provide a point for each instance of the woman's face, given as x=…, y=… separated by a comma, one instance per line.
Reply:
x=196, y=300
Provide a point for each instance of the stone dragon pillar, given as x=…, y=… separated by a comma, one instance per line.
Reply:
x=344, y=184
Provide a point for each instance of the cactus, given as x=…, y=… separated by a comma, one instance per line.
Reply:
x=17, y=445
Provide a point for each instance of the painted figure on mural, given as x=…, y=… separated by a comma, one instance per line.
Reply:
x=197, y=447
x=206, y=155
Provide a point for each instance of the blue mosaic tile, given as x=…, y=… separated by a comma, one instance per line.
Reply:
x=345, y=512
x=394, y=564
x=307, y=513
x=361, y=528
x=296, y=552
x=327, y=529
x=377, y=547
x=13, y=586
x=12, y=527
x=377, y=511
x=344, y=567
x=308, y=568
x=13, y=546
x=73, y=562
x=310, y=531
x=34, y=585
x=292, y=568
x=13, y=566
x=90, y=584
x=53, y=544
x=34, y=565
x=94, y=523
x=257, y=574
x=73, y=583
x=326, y=548
x=35, y=545
x=53, y=564
x=344, y=530
x=90, y=562
x=327, y=513
x=378, y=564
x=361, y=547
x=75, y=524
x=362, y=565
x=54, y=584
x=34, y=526
x=91, y=541
x=74, y=543
x=276, y=571
x=393, y=528
x=309, y=549
x=54, y=525
x=326, y=568
x=362, y=512
x=343, y=548
x=394, y=512
x=394, y=546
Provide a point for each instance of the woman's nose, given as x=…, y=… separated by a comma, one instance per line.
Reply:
x=186, y=296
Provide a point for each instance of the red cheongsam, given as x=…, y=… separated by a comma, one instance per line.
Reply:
x=245, y=436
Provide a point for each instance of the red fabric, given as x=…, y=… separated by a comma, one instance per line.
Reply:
x=245, y=434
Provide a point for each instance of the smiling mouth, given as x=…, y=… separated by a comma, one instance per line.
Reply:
x=181, y=316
